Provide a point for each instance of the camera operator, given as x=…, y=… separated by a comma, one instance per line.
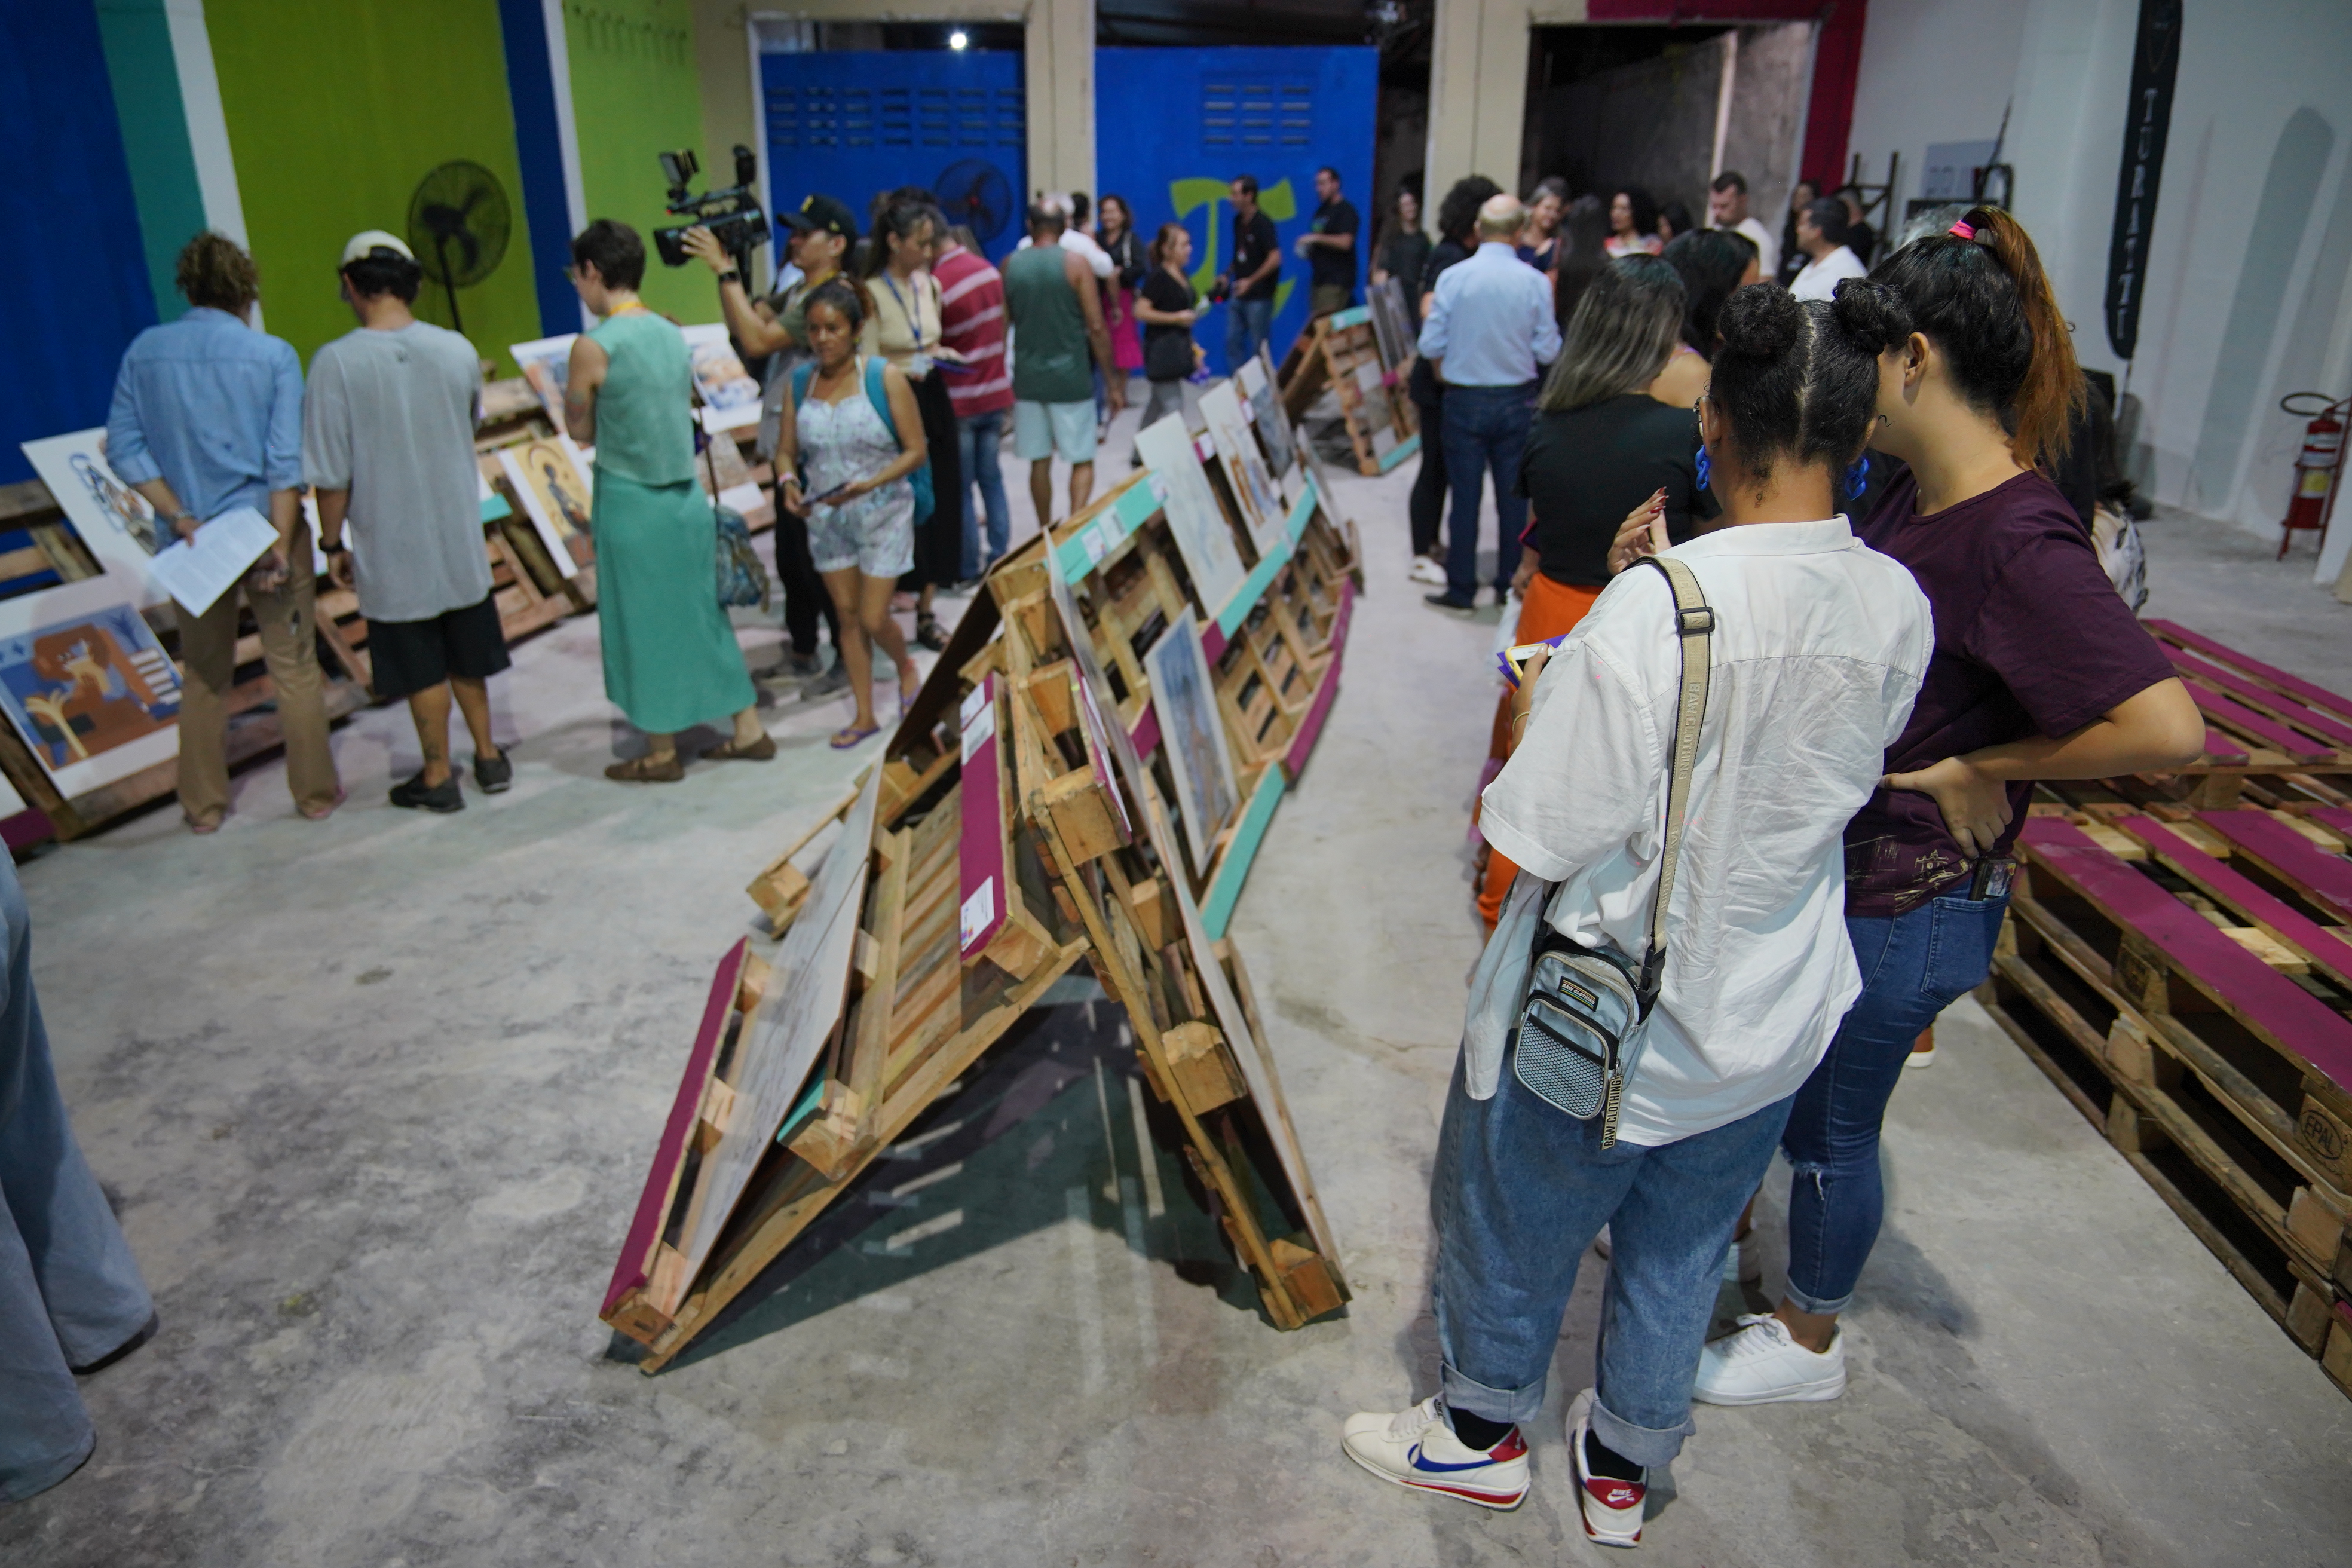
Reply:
x=823, y=230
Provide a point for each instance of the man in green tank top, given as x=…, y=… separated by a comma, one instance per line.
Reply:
x=1055, y=308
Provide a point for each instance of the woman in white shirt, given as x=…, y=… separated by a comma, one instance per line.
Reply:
x=1817, y=650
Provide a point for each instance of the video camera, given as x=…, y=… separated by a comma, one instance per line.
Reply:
x=732, y=216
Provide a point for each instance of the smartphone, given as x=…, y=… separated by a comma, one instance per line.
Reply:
x=832, y=495
x=1514, y=660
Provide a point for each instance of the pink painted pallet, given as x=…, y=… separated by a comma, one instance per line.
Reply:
x=2287, y=739
x=2186, y=986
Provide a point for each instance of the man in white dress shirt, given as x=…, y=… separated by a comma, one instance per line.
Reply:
x=1821, y=234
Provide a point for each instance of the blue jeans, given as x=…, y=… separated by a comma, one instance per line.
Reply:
x=1486, y=432
x=1913, y=967
x=1248, y=323
x=1520, y=1191
x=70, y=1292
x=978, y=440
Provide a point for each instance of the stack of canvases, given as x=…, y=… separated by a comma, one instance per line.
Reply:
x=1016, y=826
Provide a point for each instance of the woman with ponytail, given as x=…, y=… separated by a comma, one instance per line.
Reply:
x=1816, y=650
x=2040, y=672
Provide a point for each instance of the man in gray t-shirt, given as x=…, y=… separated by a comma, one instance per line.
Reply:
x=388, y=446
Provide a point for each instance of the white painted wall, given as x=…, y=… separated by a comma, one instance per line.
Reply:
x=1938, y=70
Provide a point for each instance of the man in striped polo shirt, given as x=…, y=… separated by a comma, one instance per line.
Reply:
x=971, y=323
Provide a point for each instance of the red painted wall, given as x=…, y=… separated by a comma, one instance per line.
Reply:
x=1837, y=60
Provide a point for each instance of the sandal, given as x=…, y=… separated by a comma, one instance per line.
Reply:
x=759, y=751
x=646, y=770
x=928, y=634
x=851, y=735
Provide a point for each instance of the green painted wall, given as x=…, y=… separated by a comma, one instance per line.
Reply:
x=335, y=112
x=634, y=93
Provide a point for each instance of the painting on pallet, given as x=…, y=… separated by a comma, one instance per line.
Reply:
x=86, y=685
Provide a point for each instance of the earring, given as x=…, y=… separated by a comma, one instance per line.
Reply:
x=1857, y=477
x=1705, y=468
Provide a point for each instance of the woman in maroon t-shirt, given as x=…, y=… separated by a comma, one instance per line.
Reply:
x=2039, y=672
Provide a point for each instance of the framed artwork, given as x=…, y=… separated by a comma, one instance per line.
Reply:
x=551, y=478
x=1203, y=535
x=1392, y=324
x=1273, y=435
x=115, y=521
x=547, y=365
x=1253, y=488
x=86, y=685
x=730, y=398
x=1207, y=793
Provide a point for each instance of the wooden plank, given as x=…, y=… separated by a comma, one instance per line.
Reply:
x=1233, y=866
x=2287, y=854
x=2278, y=679
x=2275, y=917
x=2239, y=717
x=982, y=875
x=2263, y=699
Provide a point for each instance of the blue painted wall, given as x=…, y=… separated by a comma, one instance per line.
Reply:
x=539, y=148
x=1172, y=127
x=68, y=224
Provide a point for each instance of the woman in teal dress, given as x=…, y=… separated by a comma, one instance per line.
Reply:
x=670, y=658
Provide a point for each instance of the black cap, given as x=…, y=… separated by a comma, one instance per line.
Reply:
x=825, y=214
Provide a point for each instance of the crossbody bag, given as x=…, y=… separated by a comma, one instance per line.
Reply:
x=1581, y=1028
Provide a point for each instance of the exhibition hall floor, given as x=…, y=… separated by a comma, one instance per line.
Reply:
x=377, y=1096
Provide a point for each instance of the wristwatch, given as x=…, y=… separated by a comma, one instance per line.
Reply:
x=732, y=275
x=336, y=548
x=178, y=518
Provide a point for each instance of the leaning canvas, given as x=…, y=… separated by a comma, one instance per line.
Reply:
x=86, y=685
x=1273, y=435
x=547, y=365
x=1253, y=488
x=730, y=398
x=1189, y=726
x=1203, y=538
x=115, y=521
x=551, y=480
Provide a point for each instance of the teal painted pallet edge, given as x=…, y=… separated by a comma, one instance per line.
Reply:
x=1356, y=317
x=1086, y=549
x=1400, y=452
x=494, y=506
x=1217, y=910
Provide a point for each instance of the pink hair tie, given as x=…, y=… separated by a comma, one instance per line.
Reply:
x=1961, y=230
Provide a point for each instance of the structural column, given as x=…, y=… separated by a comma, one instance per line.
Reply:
x=1059, y=75
x=1479, y=86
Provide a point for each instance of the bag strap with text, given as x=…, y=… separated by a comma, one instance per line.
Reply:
x=1693, y=624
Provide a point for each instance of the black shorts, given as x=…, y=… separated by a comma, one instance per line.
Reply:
x=418, y=655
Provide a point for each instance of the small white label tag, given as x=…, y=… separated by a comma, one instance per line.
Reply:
x=1093, y=541
x=977, y=728
x=1158, y=485
x=979, y=909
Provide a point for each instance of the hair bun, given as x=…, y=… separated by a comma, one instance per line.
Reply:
x=1871, y=314
x=1761, y=321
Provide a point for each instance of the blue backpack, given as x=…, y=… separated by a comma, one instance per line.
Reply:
x=920, y=479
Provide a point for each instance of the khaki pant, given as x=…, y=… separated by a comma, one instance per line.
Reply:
x=289, y=648
x=1325, y=299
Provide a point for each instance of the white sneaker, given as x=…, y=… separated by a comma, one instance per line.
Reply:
x=1425, y=570
x=1743, y=1261
x=1611, y=1509
x=1761, y=1364
x=1416, y=1448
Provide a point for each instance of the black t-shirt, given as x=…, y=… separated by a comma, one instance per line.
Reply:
x=1327, y=265
x=1584, y=470
x=1422, y=387
x=1166, y=351
x=1254, y=241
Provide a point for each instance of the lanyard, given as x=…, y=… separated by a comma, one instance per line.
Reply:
x=913, y=315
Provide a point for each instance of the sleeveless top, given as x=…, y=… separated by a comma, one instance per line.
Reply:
x=1051, y=361
x=644, y=410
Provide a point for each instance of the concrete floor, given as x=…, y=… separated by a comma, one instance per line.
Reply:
x=377, y=1097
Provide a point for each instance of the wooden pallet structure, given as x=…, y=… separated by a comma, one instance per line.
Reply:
x=2185, y=978
x=954, y=892
x=2271, y=738
x=1339, y=354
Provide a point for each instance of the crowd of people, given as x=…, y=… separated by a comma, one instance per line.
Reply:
x=1877, y=620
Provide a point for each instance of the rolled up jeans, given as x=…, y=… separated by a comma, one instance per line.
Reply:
x=1914, y=966
x=1519, y=1192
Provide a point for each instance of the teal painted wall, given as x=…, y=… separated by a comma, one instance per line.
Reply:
x=154, y=121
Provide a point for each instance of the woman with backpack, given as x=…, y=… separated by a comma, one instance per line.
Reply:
x=1671, y=962
x=847, y=447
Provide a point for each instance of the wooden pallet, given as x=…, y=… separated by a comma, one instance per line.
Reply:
x=2192, y=1013
x=1339, y=354
x=2271, y=737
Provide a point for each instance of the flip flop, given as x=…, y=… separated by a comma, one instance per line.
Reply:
x=851, y=735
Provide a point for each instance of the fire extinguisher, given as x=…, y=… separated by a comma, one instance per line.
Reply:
x=2320, y=464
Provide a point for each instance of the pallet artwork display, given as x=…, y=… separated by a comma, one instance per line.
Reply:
x=2184, y=977
x=2271, y=738
x=1340, y=353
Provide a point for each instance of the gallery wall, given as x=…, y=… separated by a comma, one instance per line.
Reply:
x=636, y=93
x=79, y=288
x=2245, y=297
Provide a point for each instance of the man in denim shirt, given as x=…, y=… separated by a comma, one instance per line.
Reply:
x=207, y=417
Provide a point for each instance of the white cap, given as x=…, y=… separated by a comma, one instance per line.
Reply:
x=367, y=242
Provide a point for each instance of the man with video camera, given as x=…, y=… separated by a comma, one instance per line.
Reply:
x=823, y=230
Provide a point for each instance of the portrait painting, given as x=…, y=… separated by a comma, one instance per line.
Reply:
x=547, y=365
x=1194, y=731
x=730, y=398
x=1195, y=518
x=551, y=479
x=1253, y=488
x=88, y=686
x=1273, y=435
